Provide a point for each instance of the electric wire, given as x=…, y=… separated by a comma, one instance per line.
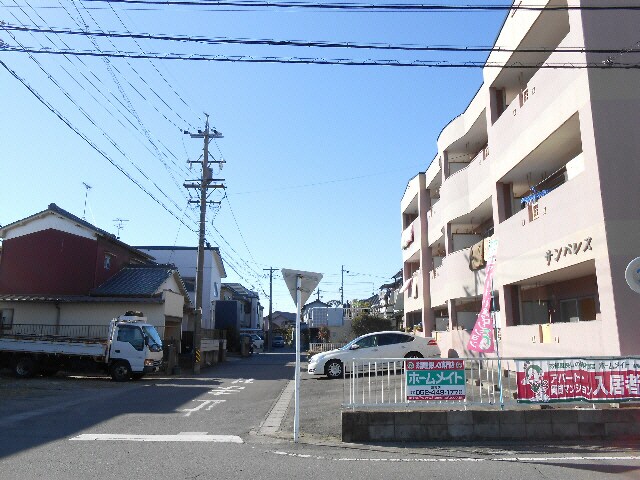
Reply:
x=112, y=69
x=305, y=43
x=603, y=65
x=87, y=140
x=372, y=7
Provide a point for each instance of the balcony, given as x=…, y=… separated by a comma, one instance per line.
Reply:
x=466, y=189
x=453, y=279
x=413, y=299
x=411, y=239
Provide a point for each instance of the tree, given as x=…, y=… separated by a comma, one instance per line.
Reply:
x=324, y=333
x=366, y=323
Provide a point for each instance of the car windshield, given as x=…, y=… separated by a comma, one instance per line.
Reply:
x=348, y=345
x=152, y=334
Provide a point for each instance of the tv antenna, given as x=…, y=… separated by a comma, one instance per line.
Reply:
x=86, y=195
x=119, y=225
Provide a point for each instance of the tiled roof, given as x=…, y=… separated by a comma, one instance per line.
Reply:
x=139, y=280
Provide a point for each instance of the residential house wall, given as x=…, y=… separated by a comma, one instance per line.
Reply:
x=185, y=259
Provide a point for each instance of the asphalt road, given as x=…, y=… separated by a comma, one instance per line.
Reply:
x=210, y=426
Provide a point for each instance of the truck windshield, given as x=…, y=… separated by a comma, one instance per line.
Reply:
x=152, y=334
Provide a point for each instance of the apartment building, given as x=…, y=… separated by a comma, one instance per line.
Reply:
x=546, y=160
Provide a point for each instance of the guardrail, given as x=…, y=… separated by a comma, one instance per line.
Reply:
x=489, y=382
x=324, y=347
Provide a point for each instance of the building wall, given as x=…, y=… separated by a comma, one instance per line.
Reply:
x=588, y=227
x=185, y=259
x=48, y=262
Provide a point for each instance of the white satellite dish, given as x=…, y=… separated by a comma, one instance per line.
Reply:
x=632, y=275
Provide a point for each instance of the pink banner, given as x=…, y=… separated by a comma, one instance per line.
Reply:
x=576, y=379
x=482, y=339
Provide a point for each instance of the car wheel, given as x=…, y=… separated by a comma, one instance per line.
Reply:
x=414, y=355
x=120, y=371
x=334, y=369
x=25, y=367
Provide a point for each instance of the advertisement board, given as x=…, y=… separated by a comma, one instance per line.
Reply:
x=578, y=379
x=442, y=379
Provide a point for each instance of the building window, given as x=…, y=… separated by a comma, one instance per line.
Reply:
x=108, y=260
x=6, y=318
x=215, y=289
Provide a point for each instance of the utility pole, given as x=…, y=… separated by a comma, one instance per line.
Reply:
x=267, y=340
x=342, y=286
x=205, y=183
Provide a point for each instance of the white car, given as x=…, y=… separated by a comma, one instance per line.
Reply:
x=380, y=345
x=257, y=341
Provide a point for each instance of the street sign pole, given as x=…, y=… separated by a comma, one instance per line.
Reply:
x=300, y=284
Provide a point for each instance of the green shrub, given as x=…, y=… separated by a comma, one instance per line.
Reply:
x=365, y=323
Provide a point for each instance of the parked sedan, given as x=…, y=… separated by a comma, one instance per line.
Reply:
x=381, y=345
x=278, y=341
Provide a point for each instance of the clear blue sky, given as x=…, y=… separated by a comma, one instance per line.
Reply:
x=317, y=157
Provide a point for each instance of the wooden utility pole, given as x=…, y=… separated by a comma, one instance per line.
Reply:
x=205, y=183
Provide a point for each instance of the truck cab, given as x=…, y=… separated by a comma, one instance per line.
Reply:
x=135, y=348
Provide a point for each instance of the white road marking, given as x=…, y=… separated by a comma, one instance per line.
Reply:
x=205, y=403
x=468, y=459
x=183, y=437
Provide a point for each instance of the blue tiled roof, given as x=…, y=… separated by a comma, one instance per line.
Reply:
x=139, y=280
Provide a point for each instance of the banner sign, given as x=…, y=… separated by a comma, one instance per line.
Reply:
x=482, y=339
x=578, y=379
x=435, y=379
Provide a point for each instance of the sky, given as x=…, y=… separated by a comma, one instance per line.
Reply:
x=316, y=157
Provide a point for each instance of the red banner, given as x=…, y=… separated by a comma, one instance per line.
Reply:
x=578, y=379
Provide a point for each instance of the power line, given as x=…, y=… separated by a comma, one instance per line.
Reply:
x=321, y=61
x=370, y=6
x=303, y=43
x=89, y=142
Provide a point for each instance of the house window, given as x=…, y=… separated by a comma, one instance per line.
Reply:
x=215, y=289
x=108, y=260
x=6, y=318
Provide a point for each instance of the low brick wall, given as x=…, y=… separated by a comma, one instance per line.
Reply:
x=469, y=425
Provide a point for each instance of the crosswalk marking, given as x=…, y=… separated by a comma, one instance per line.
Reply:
x=182, y=437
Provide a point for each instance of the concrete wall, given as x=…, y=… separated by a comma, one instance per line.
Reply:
x=474, y=425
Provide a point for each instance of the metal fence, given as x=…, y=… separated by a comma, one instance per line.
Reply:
x=382, y=383
x=324, y=347
x=488, y=382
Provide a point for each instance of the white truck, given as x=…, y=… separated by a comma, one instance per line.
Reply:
x=131, y=349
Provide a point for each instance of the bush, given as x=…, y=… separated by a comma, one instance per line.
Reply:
x=365, y=323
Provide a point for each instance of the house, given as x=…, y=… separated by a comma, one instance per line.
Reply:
x=238, y=308
x=280, y=320
x=545, y=161
x=186, y=259
x=57, y=269
x=389, y=301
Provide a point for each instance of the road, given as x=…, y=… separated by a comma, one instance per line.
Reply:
x=213, y=426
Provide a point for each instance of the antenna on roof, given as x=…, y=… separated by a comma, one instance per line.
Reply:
x=119, y=225
x=86, y=194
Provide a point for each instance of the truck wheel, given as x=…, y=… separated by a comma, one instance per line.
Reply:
x=25, y=367
x=120, y=371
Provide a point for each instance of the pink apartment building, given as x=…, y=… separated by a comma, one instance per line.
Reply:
x=546, y=161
